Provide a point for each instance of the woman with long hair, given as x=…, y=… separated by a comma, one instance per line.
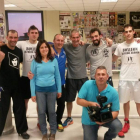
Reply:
x=45, y=87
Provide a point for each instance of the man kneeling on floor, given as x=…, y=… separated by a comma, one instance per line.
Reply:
x=101, y=106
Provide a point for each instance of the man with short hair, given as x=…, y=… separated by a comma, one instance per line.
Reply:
x=11, y=57
x=129, y=84
x=61, y=58
x=99, y=54
x=76, y=71
x=28, y=48
x=87, y=97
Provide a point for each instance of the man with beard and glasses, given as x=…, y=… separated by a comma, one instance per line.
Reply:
x=99, y=54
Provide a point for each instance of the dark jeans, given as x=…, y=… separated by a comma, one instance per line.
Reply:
x=61, y=105
x=109, y=81
x=18, y=109
x=91, y=131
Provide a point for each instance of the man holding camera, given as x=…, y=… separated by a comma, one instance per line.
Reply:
x=98, y=94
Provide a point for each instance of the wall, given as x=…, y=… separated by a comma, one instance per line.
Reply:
x=51, y=24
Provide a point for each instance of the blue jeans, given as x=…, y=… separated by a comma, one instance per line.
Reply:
x=91, y=131
x=46, y=101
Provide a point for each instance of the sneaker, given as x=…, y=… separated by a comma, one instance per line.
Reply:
x=52, y=137
x=25, y=135
x=67, y=122
x=60, y=128
x=125, y=128
x=45, y=137
x=121, y=134
x=38, y=125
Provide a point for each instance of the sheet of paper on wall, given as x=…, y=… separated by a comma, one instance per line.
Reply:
x=2, y=28
x=65, y=22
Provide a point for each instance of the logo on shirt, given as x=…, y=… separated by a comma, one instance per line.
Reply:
x=13, y=60
x=105, y=53
x=63, y=56
x=94, y=52
x=130, y=59
x=31, y=57
x=29, y=53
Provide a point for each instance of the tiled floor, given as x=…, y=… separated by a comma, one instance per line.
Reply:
x=74, y=132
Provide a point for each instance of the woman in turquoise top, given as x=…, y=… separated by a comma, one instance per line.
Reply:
x=45, y=87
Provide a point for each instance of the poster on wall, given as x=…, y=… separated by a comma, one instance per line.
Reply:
x=112, y=19
x=66, y=34
x=90, y=12
x=65, y=21
x=121, y=22
x=135, y=19
x=2, y=39
x=103, y=19
x=22, y=20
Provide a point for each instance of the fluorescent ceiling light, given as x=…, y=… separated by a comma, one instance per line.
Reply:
x=10, y=5
x=109, y=0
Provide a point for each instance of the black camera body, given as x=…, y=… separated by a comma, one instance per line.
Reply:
x=95, y=112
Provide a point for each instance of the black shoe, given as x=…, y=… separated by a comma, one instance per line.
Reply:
x=25, y=135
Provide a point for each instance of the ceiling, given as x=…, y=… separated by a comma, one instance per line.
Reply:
x=74, y=5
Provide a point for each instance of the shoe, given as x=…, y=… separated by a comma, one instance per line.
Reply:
x=45, y=137
x=67, y=122
x=38, y=125
x=60, y=128
x=125, y=128
x=25, y=135
x=52, y=137
x=121, y=134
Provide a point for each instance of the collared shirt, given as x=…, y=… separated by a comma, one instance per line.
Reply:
x=61, y=59
x=89, y=92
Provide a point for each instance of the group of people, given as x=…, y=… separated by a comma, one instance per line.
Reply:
x=43, y=80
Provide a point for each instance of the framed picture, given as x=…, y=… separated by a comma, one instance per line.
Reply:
x=135, y=19
x=22, y=20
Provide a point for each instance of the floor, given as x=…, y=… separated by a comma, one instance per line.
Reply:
x=74, y=131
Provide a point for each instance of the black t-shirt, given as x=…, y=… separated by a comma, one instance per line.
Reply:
x=9, y=70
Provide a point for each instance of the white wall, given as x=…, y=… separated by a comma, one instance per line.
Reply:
x=51, y=24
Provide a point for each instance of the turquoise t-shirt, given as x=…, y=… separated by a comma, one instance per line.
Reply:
x=89, y=92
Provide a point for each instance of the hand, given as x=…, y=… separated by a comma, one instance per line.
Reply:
x=100, y=123
x=109, y=42
x=59, y=95
x=137, y=40
x=30, y=75
x=53, y=52
x=34, y=98
x=81, y=42
x=2, y=56
x=1, y=43
x=94, y=104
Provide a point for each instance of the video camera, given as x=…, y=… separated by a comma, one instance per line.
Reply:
x=95, y=113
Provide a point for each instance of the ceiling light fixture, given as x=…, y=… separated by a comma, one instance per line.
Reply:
x=109, y=0
x=10, y=5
